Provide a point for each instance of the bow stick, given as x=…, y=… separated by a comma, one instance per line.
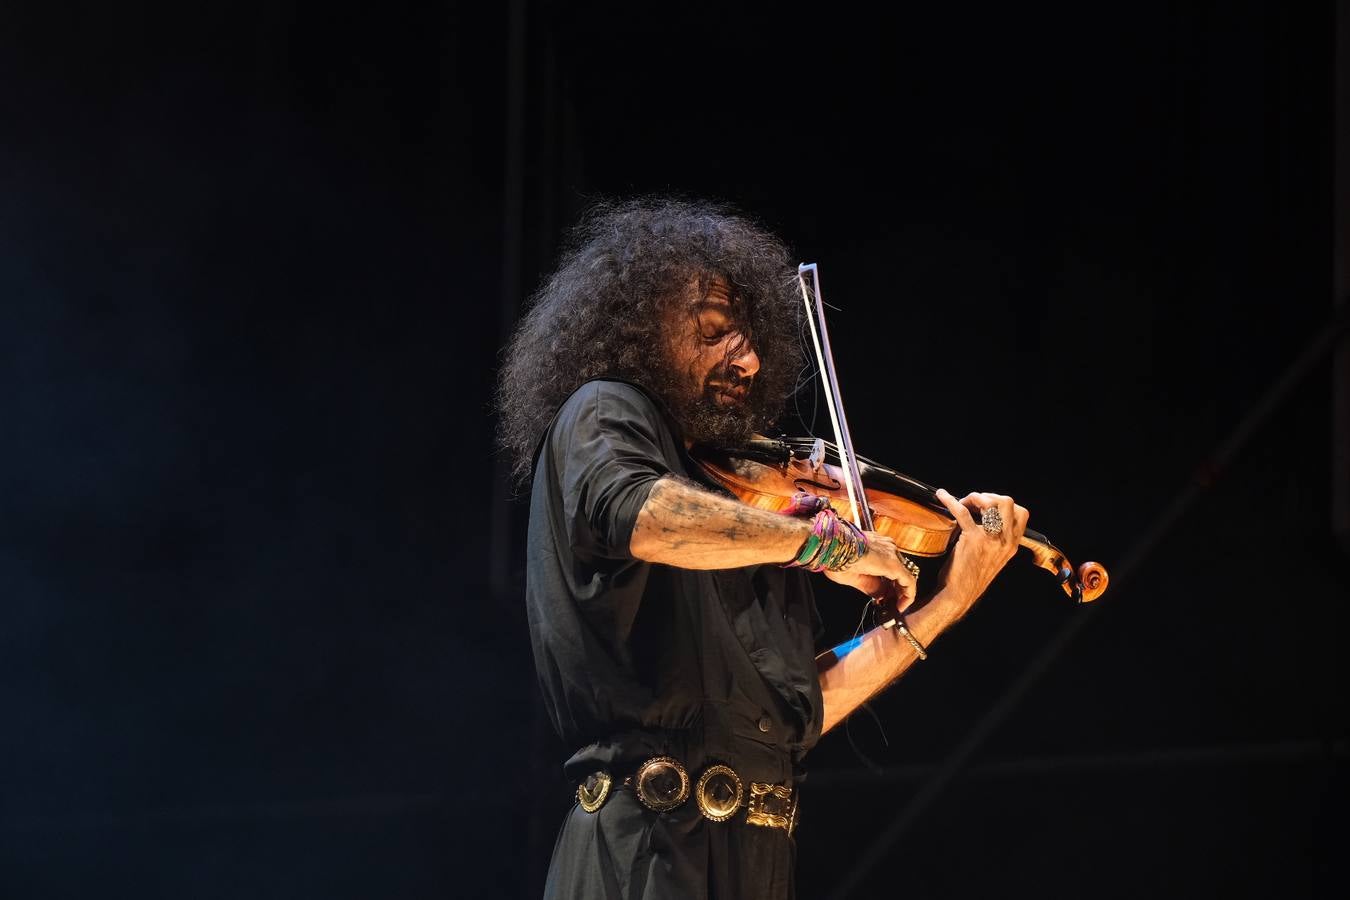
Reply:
x=820, y=339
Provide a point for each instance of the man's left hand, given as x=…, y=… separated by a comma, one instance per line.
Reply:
x=978, y=556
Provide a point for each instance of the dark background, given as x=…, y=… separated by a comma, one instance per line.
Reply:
x=260, y=575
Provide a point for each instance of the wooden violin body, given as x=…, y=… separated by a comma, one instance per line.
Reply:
x=766, y=473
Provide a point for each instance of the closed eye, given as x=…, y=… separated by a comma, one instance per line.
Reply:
x=714, y=324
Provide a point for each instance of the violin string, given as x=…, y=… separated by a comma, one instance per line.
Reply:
x=866, y=760
x=873, y=464
x=863, y=618
x=803, y=378
x=806, y=376
x=808, y=426
x=848, y=722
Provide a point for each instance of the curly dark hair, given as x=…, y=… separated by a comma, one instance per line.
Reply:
x=626, y=267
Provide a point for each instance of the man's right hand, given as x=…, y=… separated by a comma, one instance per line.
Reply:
x=879, y=572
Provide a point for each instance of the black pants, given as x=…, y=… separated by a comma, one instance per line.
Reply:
x=624, y=851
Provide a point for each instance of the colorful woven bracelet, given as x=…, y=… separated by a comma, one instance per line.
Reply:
x=833, y=544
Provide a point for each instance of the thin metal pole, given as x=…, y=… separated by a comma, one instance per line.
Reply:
x=513, y=239
x=1340, y=282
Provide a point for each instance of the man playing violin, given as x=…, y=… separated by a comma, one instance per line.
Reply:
x=673, y=627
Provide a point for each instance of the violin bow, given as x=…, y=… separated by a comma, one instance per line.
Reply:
x=848, y=459
x=820, y=339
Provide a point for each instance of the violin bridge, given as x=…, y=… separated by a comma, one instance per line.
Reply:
x=817, y=457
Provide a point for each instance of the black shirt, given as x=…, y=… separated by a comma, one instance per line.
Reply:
x=637, y=659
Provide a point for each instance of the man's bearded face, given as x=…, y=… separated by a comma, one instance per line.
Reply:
x=713, y=367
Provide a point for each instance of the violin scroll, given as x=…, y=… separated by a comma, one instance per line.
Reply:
x=1083, y=585
x=1092, y=576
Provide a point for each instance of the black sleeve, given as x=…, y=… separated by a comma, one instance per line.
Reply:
x=608, y=444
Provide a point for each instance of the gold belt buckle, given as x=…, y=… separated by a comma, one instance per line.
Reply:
x=772, y=806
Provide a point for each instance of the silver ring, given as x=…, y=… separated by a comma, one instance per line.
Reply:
x=991, y=520
x=909, y=564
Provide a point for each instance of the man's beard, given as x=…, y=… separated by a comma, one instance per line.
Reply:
x=708, y=420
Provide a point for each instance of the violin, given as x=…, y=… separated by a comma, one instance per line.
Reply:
x=765, y=473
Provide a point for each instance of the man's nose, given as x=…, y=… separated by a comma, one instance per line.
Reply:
x=746, y=359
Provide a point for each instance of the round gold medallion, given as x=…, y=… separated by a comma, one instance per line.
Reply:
x=662, y=784
x=719, y=793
